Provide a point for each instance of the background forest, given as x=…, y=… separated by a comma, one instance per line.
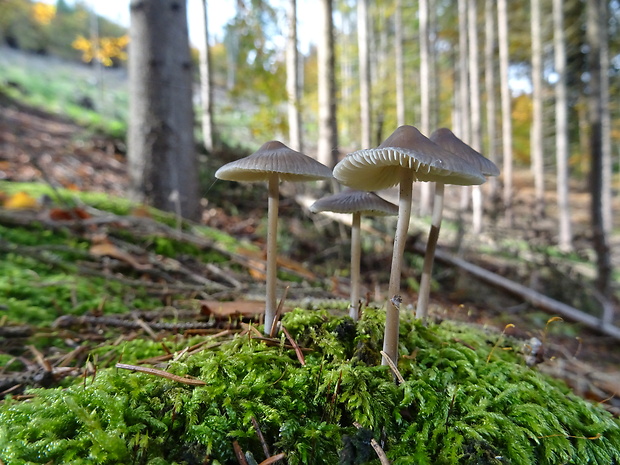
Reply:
x=530, y=84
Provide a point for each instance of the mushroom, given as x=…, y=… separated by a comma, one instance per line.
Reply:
x=273, y=162
x=448, y=141
x=358, y=203
x=404, y=157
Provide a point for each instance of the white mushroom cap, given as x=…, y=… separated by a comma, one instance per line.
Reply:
x=274, y=158
x=355, y=201
x=379, y=168
x=447, y=140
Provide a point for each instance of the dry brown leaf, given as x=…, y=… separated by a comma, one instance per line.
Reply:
x=104, y=249
x=234, y=309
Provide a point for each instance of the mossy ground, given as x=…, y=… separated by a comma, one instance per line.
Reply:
x=467, y=398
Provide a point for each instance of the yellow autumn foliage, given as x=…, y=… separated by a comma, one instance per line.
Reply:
x=105, y=50
x=43, y=13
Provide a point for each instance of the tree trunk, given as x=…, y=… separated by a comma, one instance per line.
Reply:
x=475, y=105
x=292, y=79
x=328, y=132
x=502, y=33
x=400, y=68
x=206, y=85
x=489, y=81
x=561, y=128
x=606, y=124
x=364, y=73
x=595, y=22
x=425, y=98
x=536, y=136
x=161, y=153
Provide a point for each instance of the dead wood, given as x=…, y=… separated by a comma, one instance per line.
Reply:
x=533, y=297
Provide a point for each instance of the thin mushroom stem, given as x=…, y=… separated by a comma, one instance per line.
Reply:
x=355, y=266
x=392, y=321
x=429, y=255
x=272, y=251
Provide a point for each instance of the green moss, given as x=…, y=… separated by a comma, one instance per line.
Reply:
x=466, y=399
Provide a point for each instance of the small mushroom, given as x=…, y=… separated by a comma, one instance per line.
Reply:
x=358, y=203
x=404, y=157
x=448, y=141
x=273, y=162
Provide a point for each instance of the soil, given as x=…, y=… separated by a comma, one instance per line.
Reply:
x=37, y=146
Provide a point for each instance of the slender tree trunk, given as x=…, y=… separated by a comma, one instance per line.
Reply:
x=292, y=79
x=328, y=132
x=161, y=155
x=475, y=105
x=595, y=111
x=489, y=79
x=464, y=116
x=606, y=123
x=536, y=136
x=561, y=128
x=364, y=73
x=206, y=85
x=502, y=33
x=400, y=68
x=425, y=97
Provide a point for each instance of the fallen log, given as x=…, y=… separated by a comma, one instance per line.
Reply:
x=533, y=297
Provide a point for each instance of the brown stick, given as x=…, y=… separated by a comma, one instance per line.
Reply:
x=375, y=445
x=239, y=453
x=300, y=354
x=162, y=373
x=534, y=298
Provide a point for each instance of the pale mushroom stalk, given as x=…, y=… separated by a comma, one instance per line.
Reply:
x=357, y=203
x=273, y=162
x=448, y=141
x=356, y=253
x=272, y=251
x=392, y=320
x=429, y=255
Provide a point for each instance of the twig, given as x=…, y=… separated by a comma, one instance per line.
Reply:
x=375, y=445
x=273, y=459
x=261, y=438
x=393, y=367
x=276, y=318
x=162, y=373
x=300, y=354
x=239, y=453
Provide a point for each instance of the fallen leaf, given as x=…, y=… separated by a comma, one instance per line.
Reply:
x=20, y=201
x=68, y=214
x=108, y=249
x=230, y=310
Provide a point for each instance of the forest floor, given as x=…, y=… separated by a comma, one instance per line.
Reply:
x=37, y=146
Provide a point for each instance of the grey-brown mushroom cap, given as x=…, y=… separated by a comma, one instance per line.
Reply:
x=355, y=201
x=447, y=140
x=274, y=157
x=380, y=168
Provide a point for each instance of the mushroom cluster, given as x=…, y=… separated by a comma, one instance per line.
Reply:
x=403, y=158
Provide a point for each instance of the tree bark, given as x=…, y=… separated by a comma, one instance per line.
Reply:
x=328, y=132
x=292, y=79
x=475, y=105
x=561, y=128
x=536, y=136
x=400, y=68
x=594, y=23
x=426, y=188
x=364, y=73
x=206, y=83
x=161, y=153
x=489, y=82
x=502, y=33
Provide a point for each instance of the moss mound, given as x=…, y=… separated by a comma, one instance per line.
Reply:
x=467, y=398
